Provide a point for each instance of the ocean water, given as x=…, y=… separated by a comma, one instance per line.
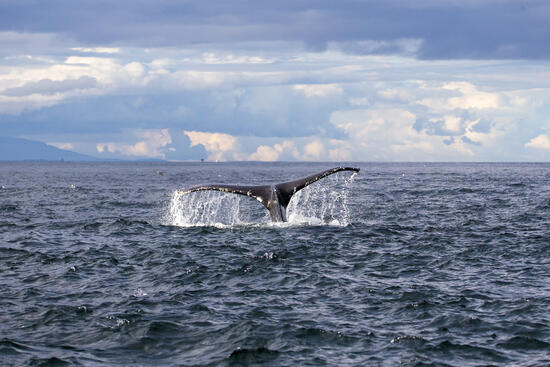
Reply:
x=107, y=264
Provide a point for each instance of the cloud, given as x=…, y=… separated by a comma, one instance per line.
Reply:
x=197, y=80
x=340, y=155
x=361, y=101
x=281, y=103
x=469, y=97
x=397, y=94
x=27, y=44
x=50, y=87
x=285, y=150
x=220, y=147
x=211, y=58
x=318, y=90
x=402, y=46
x=447, y=29
x=15, y=105
x=245, y=148
x=314, y=151
x=442, y=125
x=304, y=149
x=150, y=147
x=389, y=135
x=452, y=124
x=135, y=71
x=265, y=153
x=340, y=150
x=97, y=50
x=540, y=142
x=65, y=146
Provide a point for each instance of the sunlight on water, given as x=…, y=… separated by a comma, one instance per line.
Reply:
x=322, y=203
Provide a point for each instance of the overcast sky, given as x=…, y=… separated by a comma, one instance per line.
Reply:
x=429, y=80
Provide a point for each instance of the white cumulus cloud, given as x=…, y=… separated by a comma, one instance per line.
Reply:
x=314, y=151
x=540, y=142
x=470, y=97
x=151, y=145
x=220, y=147
x=282, y=151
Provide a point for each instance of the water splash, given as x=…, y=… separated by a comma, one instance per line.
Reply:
x=322, y=203
x=207, y=208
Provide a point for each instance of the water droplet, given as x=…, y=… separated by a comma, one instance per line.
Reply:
x=139, y=293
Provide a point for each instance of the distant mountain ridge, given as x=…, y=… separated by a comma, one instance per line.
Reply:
x=17, y=149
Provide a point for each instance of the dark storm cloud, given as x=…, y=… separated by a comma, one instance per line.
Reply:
x=481, y=29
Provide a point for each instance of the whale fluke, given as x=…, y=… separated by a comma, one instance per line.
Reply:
x=274, y=197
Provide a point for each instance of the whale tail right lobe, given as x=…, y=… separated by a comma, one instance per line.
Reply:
x=287, y=189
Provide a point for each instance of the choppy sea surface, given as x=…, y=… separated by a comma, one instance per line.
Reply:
x=403, y=264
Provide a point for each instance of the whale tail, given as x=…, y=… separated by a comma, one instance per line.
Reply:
x=274, y=197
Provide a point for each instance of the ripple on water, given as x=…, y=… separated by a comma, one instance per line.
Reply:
x=435, y=264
